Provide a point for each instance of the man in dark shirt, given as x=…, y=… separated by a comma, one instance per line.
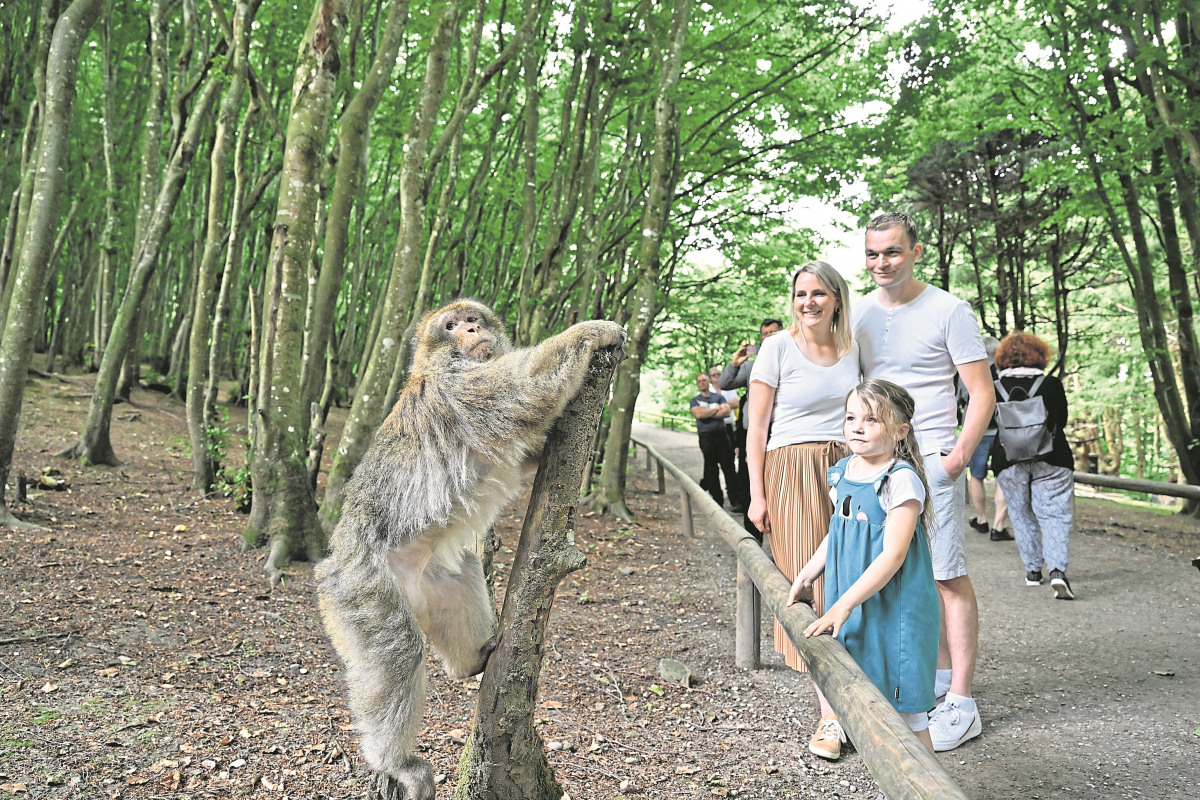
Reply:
x=710, y=409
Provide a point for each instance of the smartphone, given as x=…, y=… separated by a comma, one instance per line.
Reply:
x=751, y=349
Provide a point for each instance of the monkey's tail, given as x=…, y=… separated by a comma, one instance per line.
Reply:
x=375, y=633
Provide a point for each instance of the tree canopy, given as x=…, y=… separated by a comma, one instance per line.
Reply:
x=270, y=194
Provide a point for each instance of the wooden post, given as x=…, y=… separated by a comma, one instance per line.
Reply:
x=649, y=458
x=662, y=484
x=747, y=623
x=685, y=510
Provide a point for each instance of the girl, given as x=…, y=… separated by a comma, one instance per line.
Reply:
x=880, y=598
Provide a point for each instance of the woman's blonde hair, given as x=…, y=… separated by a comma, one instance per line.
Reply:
x=893, y=406
x=831, y=281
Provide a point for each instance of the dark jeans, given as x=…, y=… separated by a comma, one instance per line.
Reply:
x=740, y=494
x=718, y=457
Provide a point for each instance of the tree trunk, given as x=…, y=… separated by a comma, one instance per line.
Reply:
x=16, y=348
x=1110, y=461
x=284, y=510
x=95, y=447
x=505, y=758
x=353, y=137
x=31, y=142
x=1151, y=327
x=204, y=458
x=645, y=300
x=370, y=402
x=529, y=200
x=229, y=272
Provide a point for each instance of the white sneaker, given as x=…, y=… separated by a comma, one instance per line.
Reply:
x=950, y=726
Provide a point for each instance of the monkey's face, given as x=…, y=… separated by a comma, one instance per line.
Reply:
x=469, y=328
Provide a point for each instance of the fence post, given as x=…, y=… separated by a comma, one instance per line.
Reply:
x=685, y=508
x=662, y=484
x=748, y=627
x=649, y=460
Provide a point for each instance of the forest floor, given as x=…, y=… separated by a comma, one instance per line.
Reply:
x=143, y=655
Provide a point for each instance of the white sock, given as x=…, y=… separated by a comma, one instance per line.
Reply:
x=965, y=704
x=941, y=684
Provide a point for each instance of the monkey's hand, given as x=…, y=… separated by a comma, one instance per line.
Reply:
x=602, y=333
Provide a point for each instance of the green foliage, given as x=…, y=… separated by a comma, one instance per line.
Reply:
x=235, y=483
x=993, y=131
x=232, y=482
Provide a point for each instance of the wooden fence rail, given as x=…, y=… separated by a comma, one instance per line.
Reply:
x=1185, y=490
x=898, y=761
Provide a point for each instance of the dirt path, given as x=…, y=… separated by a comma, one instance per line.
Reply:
x=1095, y=698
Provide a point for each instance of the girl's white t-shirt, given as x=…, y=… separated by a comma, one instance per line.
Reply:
x=901, y=486
x=810, y=400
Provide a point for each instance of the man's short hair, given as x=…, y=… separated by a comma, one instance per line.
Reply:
x=895, y=219
x=770, y=321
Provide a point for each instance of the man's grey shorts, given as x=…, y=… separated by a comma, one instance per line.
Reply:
x=947, y=540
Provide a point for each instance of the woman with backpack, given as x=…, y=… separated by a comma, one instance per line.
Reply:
x=1031, y=459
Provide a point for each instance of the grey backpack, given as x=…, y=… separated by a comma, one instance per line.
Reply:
x=1023, y=426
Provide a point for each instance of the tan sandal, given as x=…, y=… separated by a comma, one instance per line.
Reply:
x=827, y=741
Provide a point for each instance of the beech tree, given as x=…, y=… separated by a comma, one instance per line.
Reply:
x=284, y=512
x=47, y=187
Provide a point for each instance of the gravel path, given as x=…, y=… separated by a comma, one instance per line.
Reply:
x=1095, y=698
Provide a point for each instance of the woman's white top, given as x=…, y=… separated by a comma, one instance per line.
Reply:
x=810, y=399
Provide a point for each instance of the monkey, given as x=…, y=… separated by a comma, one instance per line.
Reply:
x=456, y=448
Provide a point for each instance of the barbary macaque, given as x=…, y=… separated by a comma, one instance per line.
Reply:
x=454, y=451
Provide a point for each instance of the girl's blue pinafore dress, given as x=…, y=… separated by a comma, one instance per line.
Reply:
x=894, y=635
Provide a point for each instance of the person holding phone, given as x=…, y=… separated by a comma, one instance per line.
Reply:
x=737, y=376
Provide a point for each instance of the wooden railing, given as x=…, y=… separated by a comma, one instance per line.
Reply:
x=1185, y=490
x=898, y=761
x=668, y=421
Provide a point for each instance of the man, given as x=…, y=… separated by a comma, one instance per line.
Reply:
x=738, y=502
x=920, y=336
x=737, y=376
x=710, y=409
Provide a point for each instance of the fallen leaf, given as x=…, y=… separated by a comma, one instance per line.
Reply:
x=12, y=788
x=49, y=687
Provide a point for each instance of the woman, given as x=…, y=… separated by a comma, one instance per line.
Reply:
x=800, y=382
x=1040, y=492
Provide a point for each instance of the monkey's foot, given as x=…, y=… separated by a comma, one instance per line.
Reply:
x=413, y=781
